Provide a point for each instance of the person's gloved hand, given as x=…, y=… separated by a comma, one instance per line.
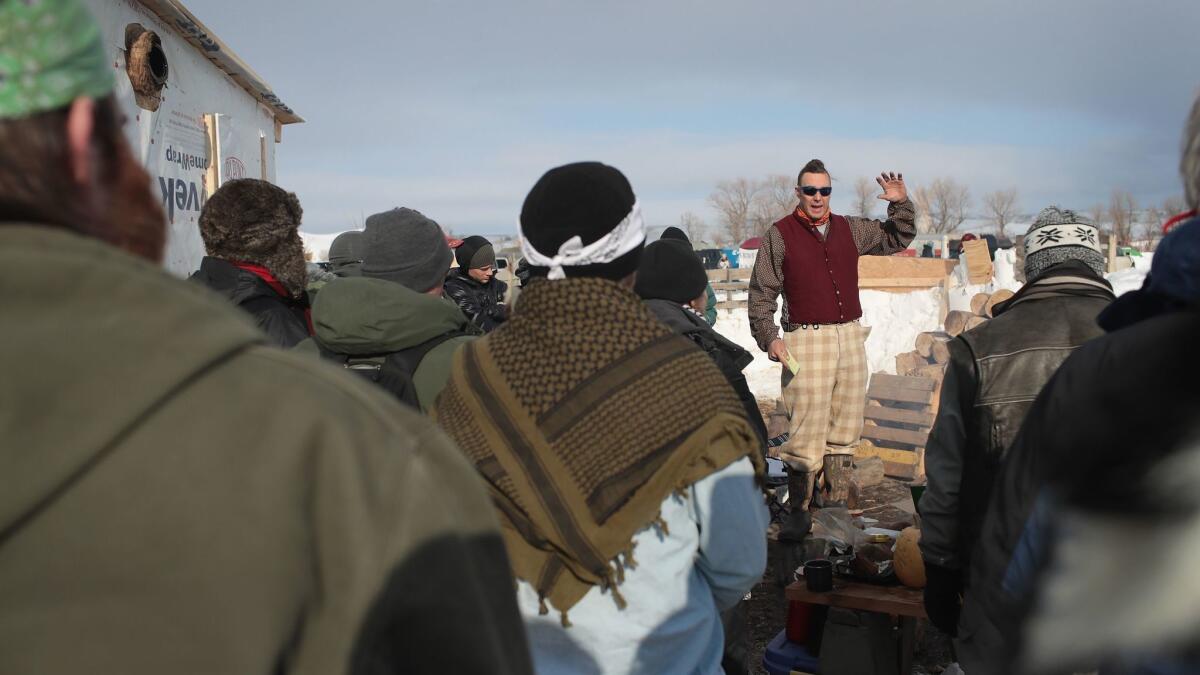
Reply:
x=943, y=602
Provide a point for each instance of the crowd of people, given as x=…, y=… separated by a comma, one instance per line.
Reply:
x=391, y=469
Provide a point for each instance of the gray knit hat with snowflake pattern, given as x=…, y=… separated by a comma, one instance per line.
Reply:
x=1058, y=235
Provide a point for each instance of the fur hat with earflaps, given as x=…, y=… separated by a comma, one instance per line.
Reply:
x=253, y=221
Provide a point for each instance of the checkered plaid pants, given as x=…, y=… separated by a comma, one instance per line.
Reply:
x=826, y=399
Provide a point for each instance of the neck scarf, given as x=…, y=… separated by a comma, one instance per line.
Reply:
x=810, y=223
x=583, y=413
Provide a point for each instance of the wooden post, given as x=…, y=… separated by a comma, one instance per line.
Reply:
x=1112, y=254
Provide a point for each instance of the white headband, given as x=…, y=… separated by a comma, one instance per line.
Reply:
x=1067, y=234
x=626, y=236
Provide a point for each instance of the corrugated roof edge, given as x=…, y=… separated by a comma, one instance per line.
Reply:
x=195, y=32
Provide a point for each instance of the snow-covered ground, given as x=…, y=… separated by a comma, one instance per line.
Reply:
x=1131, y=279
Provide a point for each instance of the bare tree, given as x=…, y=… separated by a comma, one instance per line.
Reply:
x=1173, y=206
x=864, y=196
x=776, y=197
x=944, y=203
x=1121, y=209
x=1099, y=216
x=1150, y=226
x=693, y=226
x=733, y=201
x=1001, y=208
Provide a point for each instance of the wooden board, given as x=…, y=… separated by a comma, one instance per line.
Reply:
x=902, y=382
x=979, y=261
x=885, y=414
x=733, y=304
x=849, y=594
x=933, y=270
x=889, y=435
x=886, y=393
x=905, y=284
x=730, y=285
x=904, y=472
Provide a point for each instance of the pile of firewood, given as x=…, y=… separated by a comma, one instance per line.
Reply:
x=931, y=354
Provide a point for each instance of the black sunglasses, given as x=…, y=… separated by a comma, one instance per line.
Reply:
x=811, y=190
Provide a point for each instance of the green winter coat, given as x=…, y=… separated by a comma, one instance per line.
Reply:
x=360, y=316
x=176, y=497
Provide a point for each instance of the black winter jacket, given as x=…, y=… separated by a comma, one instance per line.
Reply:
x=1115, y=410
x=995, y=373
x=729, y=356
x=482, y=303
x=283, y=319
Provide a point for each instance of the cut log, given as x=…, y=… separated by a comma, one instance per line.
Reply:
x=941, y=353
x=868, y=471
x=956, y=322
x=924, y=342
x=978, y=302
x=934, y=371
x=997, y=298
x=907, y=362
x=975, y=321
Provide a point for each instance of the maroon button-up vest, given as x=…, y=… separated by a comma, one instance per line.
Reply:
x=820, y=275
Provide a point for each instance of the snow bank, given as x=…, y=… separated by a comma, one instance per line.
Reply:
x=763, y=374
x=1127, y=280
x=895, y=320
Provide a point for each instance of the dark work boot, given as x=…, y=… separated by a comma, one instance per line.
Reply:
x=798, y=522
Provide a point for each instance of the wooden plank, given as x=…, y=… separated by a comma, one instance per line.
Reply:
x=896, y=267
x=733, y=304
x=730, y=285
x=979, y=261
x=905, y=472
x=898, y=282
x=901, y=395
x=886, y=454
x=905, y=436
x=903, y=382
x=849, y=594
x=740, y=273
x=885, y=414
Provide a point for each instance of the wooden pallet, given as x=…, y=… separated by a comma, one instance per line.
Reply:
x=900, y=411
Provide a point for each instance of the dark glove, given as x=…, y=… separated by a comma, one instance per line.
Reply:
x=943, y=601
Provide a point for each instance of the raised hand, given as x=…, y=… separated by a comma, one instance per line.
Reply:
x=893, y=187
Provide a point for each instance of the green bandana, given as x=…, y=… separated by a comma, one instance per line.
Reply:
x=51, y=52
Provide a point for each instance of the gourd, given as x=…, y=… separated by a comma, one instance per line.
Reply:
x=906, y=560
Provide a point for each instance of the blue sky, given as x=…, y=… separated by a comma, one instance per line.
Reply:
x=455, y=108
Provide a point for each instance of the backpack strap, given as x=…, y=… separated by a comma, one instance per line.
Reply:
x=400, y=368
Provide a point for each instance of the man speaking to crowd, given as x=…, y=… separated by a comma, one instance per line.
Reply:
x=811, y=257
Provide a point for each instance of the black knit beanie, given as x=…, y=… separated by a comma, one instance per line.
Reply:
x=586, y=199
x=475, y=252
x=671, y=271
x=674, y=233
